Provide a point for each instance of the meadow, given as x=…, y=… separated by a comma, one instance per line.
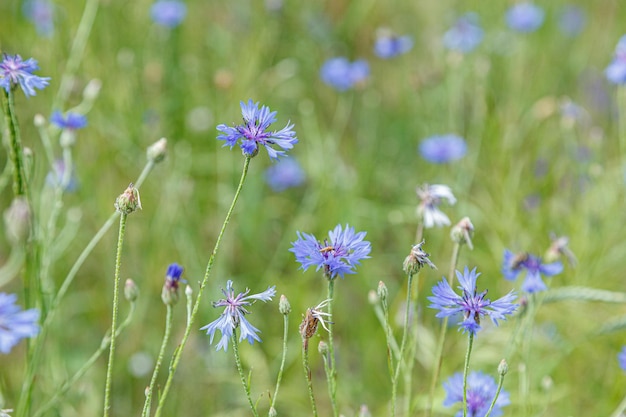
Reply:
x=523, y=117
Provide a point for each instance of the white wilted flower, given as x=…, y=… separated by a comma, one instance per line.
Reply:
x=431, y=197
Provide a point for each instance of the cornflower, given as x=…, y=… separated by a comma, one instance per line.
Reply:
x=253, y=132
x=465, y=35
x=431, y=197
x=169, y=292
x=525, y=17
x=572, y=20
x=54, y=178
x=513, y=265
x=471, y=304
x=168, y=13
x=481, y=390
x=285, y=174
x=442, y=149
x=70, y=121
x=338, y=255
x=621, y=358
x=15, y=324
x=234, y=315
x=15, y=71
x=40, y=13
x=341, y=74
x=616, y=71
x=389, y=45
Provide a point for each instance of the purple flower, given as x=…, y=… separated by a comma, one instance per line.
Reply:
x=621, y=358
x=14, y=71
x=431, y=197
x=388, y=45
x=525, y=17
x=572, y=20
x=471, y=304
x=286, y=173
x=41, y=13
x=253, y=132
x=465, y=35
x=514, y=264
x=15, y=324
x=71, y=121
x=338, y=255
x=234, y=315
x=168, y=13
x=442, y=149
x=616, y=71
x=481, y=389
x=55, y=177
x=342, y=74
x=169, y=293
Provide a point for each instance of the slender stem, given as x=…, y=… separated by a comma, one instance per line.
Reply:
x=405, y=332
x=246, y=386
x=15, y=144
x=116, y=287
x=495, y=398
x=157, y=366
x=620, y=408
x=470, y=342
x=196, y=307
x=307, y=373
x=331, y=372
x=284, y=358
x=5, y=175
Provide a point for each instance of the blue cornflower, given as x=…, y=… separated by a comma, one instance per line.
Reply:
x=342, y=74
x=169, y=293
x=572, y=20
x=168, y=13
x=388, y=45
x=253, y=132
x=616, y=71
x=442, y=149
x=535, y=268
x=14, y=71
x=234, y=315
x=465, y=35
x=41, y=13
x=15, y=324
x=472, y=304
x=431, y=197
x=338, y=255
x=54, y=178
x=525, y=17
x=621, y=358
x=285, y=174
x=481, y=389
x=71, y=121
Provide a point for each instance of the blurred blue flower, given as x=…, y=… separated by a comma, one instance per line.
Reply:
x=55, y=177
x=535, y=268
x=621, y=358
x=471, y=305
x=40, y=13
x=465, y=35
x=616, y=71
x=572, y=20
x=342, y=74
x=253, y=132
x=14, y=71
x=169, y=293
x=234, y=315
x=441, y=149
x=431, y=196
x=286, y=173
x=168, y=13
x=525, y=17
x=15, y=324
x=481, y=389
x=340, y=254
x=71, y=121
x=388, y=45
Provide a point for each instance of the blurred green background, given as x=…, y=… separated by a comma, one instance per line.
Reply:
x=529, y=171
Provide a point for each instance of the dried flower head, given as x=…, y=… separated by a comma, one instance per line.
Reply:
x=312, y=318
x=416, y=260
x=462, y=232
x=559, y=248
x=431, y=197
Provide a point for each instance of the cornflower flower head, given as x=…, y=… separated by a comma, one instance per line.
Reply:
x=525, y=17
x=389, y=45
x=169, y=293
x=481, y=389
x=431, y=197
x=254, y=132
x=71, y=121
x=40, y=13
x=15, y=323
x=313, y=317
x=471, y=304
x=465, y=35
x=168, y=13
x=340, y=254
x=572, y=20
x=286, y=173
x=341, y=74
x=441, y=149
x=54, y=178
x=621, y=358
x=15, y=71
x=234, y=315
x=513, y=265
x=616, y=71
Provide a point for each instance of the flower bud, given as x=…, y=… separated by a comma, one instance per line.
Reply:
x=283, y=305
x=322, y=348
x=503, y=367
x=17, y=221
x=372, y=297
x=169, y=293
x=128, y=201
x=188, y=291
x=39, y=120
x=416, y=260
x=272, y=412
x=157, y=151
x=131, y=291
x=382, y=291
x=463, y=232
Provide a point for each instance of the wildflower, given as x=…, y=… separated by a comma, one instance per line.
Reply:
x=535, y=268
x=572, y=20
x=287, y=173
x=473, y=305
x=40, y=13
x=253, y=132
x=481, y=389
x=15, y=324
x=465, y=35
x=168, y=13
x=616, y=71
x=442, y=149
x=129, y=201
x=621, y=358
x=342, y=74
x=14, y=71
x=388, y=45
x=234, y=315
x=169, y=293
x=338, y=255
x=71, y=121
x=524, y=17
x=312, y=318
x=416, y=260
x=54, y=178
x=431, y=197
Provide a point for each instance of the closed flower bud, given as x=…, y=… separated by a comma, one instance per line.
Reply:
x=463, y=232
x=157, y=151
x=382, y=291
x=131, y=291
x=283, y=305
x=416, y=260
x=188, y=291
x=17, y=221
x=169, y=293
x=272, y=412
x=503, y=368
x=128, y=201
x=322, y=348
x=39, y=120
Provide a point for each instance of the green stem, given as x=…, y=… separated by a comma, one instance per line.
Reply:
x=620, y=408
x=307, y=373
x=405, y=332
x=5, y=175
x=246, y=386
x=470, y=342
x=284, y=358
x=157, y=367
x=15, y=144
x=331, y=372
x=118, y=262
x=495, y=398
x=196, y=307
